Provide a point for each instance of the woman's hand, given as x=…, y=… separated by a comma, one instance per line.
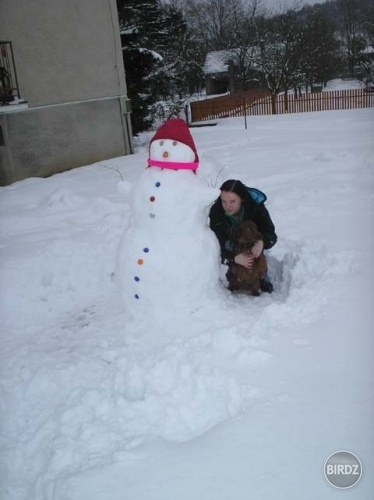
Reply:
x=244, y=260
x=257, y=249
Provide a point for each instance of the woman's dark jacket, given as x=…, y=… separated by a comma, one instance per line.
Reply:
x=253, y=209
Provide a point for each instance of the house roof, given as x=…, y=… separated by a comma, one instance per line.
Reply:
x=368, y=50
x=217, y=62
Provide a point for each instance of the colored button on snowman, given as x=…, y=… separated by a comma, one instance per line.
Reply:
x=169, y=258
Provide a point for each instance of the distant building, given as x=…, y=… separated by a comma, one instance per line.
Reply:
x=217, y=72
x=232, y=70
x=63, y=96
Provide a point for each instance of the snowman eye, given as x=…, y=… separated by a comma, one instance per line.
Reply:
x=175, y=143
x=161, y=143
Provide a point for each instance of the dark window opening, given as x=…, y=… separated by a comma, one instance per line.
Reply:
x=8, y=77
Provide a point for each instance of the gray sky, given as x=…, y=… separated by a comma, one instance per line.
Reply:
x=275, y=4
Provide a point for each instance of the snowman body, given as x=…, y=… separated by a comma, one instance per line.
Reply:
x=169, y=257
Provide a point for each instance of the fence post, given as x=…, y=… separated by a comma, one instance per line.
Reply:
x=244, y=113
x=273, y=104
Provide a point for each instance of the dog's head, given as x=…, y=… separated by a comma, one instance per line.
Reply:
x=247, y=234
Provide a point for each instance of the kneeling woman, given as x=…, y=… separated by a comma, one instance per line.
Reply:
x=236, y=204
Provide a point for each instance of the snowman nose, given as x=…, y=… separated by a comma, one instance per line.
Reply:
x=165, y=154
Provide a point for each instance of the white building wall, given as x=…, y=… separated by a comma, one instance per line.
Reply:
x=70, y=70
x=65, y=50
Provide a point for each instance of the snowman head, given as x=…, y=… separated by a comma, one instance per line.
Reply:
x=173, y=147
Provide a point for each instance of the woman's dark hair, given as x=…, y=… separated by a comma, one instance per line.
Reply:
x=233, y=186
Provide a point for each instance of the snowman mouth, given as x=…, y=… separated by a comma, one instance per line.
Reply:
x=173, y=165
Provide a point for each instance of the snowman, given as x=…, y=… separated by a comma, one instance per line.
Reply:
x=169, y=257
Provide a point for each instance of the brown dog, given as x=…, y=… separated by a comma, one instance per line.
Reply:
x=241, y=278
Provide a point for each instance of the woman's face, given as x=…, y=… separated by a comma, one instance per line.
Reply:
x=231, y=202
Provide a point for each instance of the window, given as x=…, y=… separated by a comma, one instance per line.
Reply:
x=8, y=77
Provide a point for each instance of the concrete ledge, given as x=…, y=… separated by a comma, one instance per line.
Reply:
x=11, y=107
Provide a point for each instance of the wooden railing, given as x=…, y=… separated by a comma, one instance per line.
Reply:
x=225, y=106
x=253, y=103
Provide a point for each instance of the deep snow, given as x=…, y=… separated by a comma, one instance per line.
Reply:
x=242, y=401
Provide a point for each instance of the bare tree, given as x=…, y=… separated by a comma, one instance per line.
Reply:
x=216, y=22
x=351, y=30
x=319, y=58
x=280, y=52
x=229, y=26
x=245, y=38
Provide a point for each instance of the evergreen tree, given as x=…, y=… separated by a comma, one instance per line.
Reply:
x=140, y=28
x=161, y=59
x=180, y=71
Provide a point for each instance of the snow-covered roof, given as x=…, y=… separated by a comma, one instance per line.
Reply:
x=368, y=50
x=217, y=61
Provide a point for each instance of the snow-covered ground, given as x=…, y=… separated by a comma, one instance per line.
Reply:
x=245, y=400
x=344, y=84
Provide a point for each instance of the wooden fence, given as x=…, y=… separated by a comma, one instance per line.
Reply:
x=226, y=106
x=260, y=102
